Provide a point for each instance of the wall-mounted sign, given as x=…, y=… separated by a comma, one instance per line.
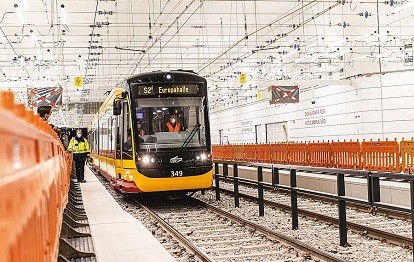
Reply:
x=247, y=130
x=314, y=113
x=78, y=81
x=48, y=96
x=283, y=94
x=320, y=121
x=243, y=78
x=259, y=95
x=247, y=122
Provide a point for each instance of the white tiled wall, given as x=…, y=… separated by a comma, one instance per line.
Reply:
x=364, y=110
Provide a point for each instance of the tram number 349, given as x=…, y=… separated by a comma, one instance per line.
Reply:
x=176, y=173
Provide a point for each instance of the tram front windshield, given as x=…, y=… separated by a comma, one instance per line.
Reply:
x=170, y=122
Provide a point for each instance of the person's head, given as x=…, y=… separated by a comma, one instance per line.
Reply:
x=44, y=112
x=173, y=119
x=139, y=123
x=79, y=133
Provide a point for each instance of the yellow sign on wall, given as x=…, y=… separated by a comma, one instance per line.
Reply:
x=78, y=81
x=259, y=95
x=243, y=79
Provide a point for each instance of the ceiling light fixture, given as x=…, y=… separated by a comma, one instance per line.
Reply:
x=376, y=36
x=314, y=43
x=290, y=53
x=301, y=59
x=344, y=40
x=19, y=13
x=62, y=14
x=361, y=38
x=63, y=37
x=80, y=61
x=289, y=44
x=34, y=39
x=387, y=54
x=50, y=54
x=345, y=51
x=24, y=4
x=296, y=73
x=3, y=39
x=361, y=57
x=39, y=54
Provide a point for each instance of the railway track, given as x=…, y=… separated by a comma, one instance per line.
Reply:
x=318, y=236
x=381, y=226
x=213, y=234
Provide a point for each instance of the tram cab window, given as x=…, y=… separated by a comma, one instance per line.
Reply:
x=155, y=113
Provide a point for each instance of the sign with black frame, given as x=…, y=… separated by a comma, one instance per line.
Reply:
x=167, y=89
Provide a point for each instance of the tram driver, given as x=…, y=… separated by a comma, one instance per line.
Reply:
x=173, y=124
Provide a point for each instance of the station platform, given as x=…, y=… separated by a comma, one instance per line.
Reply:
x=117, y=236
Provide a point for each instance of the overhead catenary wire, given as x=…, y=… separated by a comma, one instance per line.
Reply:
x=292, y=30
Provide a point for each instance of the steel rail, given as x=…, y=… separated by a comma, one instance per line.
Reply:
x=393, y=238
x=382, y=210
x=308, y=249
x=312, y=251
x=177, y=235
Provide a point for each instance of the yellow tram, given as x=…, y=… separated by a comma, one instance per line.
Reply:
x=153, y=135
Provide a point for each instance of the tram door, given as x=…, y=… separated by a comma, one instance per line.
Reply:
x=117, y=140
x=126, y=136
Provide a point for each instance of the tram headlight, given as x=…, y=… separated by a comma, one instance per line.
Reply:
x=202, y=156
x=148, y=160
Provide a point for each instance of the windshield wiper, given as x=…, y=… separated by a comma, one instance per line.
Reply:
x=190, y=136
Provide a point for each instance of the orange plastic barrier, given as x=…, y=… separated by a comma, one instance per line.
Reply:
x=381, y=156
x=250, y=153
x=238, y=152
x=227, y=152
x=217, y=152
x=346, y=155
x=264, y=153
x=298, y=154
x=407, y=155
x=34, y=184
x=279, y=153
x=320, y=154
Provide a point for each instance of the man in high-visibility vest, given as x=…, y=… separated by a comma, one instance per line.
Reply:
x=79, y=146
x=173, y=125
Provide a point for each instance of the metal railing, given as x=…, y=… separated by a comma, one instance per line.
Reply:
x=372, y=179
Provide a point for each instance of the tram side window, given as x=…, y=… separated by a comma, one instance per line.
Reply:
x=113, y=136
x=141, y=116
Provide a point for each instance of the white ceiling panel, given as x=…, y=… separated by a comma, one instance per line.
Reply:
x=105, y=42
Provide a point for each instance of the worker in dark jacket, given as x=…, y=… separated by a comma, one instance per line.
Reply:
x=79, y=146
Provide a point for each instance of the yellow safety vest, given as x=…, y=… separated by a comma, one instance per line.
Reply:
x=78, y=147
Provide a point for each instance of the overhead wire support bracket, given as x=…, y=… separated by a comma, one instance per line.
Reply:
x=130, y=49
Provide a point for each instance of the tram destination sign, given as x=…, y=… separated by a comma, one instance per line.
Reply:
x=171, y=89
